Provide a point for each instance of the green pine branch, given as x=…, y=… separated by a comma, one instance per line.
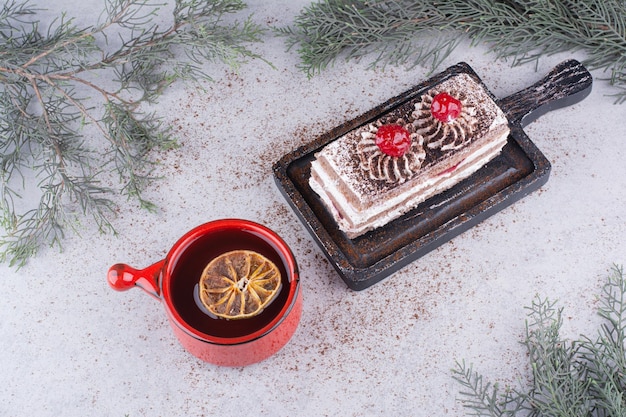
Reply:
x=425, y=32
x=585, y=377
x=55, y=80
x=393, y=32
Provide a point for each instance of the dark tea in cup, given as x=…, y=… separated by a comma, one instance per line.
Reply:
x=176, y=282
x=188, y=269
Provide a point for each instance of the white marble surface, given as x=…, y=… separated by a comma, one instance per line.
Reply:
x=71, y=346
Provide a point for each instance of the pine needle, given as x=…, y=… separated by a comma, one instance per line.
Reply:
x=585, y=377
x=51, y=84
x=411, y=32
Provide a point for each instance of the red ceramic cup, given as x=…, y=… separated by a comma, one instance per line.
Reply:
x=173, y=281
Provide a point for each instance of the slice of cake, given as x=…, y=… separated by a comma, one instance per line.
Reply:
x=379, y=171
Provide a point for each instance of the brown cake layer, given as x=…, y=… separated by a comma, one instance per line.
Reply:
x=364, y=188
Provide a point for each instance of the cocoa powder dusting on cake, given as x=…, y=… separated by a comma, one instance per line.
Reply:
x=480, y=113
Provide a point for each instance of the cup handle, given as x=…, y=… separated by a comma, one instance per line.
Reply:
x=122, y=277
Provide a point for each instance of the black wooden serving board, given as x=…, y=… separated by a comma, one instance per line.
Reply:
x=519, y=169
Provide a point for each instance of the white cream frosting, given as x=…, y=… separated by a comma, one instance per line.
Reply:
x=381, y=166
x=355, y=222
x=444, y=135
x=364, y=189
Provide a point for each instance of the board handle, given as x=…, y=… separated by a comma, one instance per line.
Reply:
x=568, y=83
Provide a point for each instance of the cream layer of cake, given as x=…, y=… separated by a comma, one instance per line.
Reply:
x=364, y=189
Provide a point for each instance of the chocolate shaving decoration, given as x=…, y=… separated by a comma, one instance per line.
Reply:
x=440, y=135
x=383, y=167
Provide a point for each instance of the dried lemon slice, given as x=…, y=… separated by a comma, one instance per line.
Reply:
x=239, y=284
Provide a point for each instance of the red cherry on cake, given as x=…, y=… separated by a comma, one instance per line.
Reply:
x=445, y=107
x=393, y=140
